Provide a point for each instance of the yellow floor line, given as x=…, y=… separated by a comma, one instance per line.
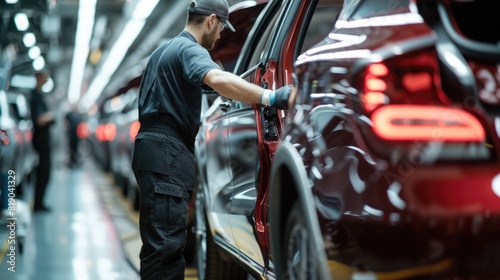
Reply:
x=3, y=251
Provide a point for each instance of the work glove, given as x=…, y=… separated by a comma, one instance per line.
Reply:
x=278, y=98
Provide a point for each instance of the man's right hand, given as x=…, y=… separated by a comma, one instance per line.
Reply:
x=281, y=96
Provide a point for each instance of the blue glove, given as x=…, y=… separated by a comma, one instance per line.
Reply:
x=279, y=98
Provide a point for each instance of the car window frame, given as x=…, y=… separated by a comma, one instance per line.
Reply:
x=251, y=61
x=268, y=13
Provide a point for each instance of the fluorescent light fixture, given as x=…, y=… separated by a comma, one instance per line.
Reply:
x=29, y=39
x=116, y=54
x=142, y=10
x=22, y=22
x=85, y=25
x=38, y=63
x=11, y=1
x=34, y=52
x=48, y=86
x=23, y=81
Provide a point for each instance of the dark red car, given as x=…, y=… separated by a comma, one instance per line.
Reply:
x=237, y=141
x=387, y=165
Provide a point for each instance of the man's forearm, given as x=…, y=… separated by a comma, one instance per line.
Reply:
x=234, y=87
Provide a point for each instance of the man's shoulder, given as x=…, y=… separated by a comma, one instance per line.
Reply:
x=185, y=41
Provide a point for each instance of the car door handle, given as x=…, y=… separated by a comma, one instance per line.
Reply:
x=224, y=106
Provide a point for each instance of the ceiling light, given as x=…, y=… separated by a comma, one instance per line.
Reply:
x=29, y=39
x=22, y=22
x=144, y=8
x=34, y=52
x=130, y=32
x=38, y=63
x=85, y=25
x=115, y=57
x=11, y=1
x=48, y=86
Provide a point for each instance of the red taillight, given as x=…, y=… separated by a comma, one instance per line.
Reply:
x=4, y=137
x=82, y=130
x=426, y=123
x=416, y=82
x=110, y=132
x=19, y=136
x=28, y=136
x=403, y=98
x=99, y=132
x=106, y=132
x=378, y=69
x=134, y=129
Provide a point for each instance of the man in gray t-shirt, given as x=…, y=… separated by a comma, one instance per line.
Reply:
x=169, y=113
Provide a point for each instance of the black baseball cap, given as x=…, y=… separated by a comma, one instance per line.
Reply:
x=208, y=7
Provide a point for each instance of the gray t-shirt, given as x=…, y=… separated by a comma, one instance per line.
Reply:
x=171, y=85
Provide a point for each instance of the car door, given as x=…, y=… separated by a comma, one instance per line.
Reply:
x=286, y=29
x=254, y=134
x=227, y=130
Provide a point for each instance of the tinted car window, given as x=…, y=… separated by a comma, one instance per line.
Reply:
x=259, y=47
x=321, y=24
x=266, y=37
x=228, y=48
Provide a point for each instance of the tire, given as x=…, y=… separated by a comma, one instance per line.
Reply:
x=300, y=260
x=210, y=264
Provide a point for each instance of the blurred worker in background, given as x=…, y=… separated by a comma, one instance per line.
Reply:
x=42, y=120
x=73, y=119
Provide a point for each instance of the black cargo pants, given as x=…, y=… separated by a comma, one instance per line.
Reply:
x=165, y=171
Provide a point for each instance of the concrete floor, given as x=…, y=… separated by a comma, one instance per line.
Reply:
x=91, y=232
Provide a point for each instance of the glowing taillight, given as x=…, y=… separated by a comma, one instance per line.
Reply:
x=426, y=123
x=134, y=129
x=19, y=136
x=99, y=133
x=4, y=137
x=378, y=69
x=404, y=100
x=82, y=130
x=373, y=99
x=110, y=132
x=415, y=82
x=375, y=86
x=28, y=136
x=105, y=132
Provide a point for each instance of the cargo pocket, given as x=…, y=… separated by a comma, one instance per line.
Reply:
x=171, y=204
x=181, y=165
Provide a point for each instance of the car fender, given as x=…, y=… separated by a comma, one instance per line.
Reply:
x=288, y=157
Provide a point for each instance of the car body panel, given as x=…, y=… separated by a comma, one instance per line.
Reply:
x=377, y=208
x=395, y=210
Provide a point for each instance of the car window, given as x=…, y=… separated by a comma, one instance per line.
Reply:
x=260, y=37
x=321, y=24
x=263, y=43
x=374, y=8
x=226, y=51
x=257, y=51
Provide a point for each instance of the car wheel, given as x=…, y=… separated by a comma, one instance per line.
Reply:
x=299, y=258
x=211, y=265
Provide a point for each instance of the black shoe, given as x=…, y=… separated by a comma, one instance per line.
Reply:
x=41, y=209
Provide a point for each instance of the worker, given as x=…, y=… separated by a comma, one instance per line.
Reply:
x=169, y=113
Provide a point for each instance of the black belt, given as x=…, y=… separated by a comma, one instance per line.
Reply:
x=166, y=128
